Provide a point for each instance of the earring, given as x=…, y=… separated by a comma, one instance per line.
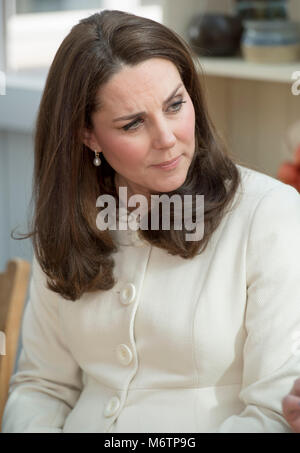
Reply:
x=97, y=160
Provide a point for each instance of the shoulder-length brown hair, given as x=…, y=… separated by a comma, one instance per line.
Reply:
x=75, y=255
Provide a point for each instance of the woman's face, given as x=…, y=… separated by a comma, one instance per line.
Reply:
x=158, y=130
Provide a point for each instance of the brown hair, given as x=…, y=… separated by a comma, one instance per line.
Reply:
x=71, y=250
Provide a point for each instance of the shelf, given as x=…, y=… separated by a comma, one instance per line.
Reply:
x=237, y=67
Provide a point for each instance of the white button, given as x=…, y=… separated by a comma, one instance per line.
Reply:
x=127, y=294
x=124, y=354
x=112, y=406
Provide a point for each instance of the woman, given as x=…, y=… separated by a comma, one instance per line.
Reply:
x=146, y=331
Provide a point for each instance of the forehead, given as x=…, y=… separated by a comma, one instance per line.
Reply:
x=154, y=78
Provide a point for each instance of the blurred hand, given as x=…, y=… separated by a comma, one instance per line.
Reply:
x=291, y=407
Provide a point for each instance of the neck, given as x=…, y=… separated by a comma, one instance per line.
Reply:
x=120, y=182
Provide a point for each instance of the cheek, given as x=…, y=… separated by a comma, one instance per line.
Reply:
x=123, y=151
x=186, y=127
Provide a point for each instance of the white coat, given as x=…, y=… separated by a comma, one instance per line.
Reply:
x=209, y=344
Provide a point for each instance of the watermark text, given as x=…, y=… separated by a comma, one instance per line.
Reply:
x=296, y=84
x=187, y=213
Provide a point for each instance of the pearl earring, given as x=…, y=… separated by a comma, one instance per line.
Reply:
x=97, y=160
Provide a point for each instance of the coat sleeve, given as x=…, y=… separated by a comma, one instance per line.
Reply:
x=48, y=381
x=271, y=356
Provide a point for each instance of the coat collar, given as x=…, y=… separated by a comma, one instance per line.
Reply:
x=130, y=235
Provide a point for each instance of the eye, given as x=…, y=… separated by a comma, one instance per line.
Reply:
x=135, y=124
x=177, y=106
x=130, y=125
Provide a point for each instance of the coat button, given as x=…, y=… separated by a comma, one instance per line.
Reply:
x=112, y=406
x=127, y=294
x=124, y=354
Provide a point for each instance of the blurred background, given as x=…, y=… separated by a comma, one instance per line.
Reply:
x=249, y=53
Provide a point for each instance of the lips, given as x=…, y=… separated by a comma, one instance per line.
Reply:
x=167, y=162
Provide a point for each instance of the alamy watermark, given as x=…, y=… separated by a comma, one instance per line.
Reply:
x=2, y=343
x=296, y=84
x=2, y=84
x=183, y=212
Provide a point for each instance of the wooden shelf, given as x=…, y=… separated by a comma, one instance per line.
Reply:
x=237, y=67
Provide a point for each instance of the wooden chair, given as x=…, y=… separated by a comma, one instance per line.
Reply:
x=13, y=290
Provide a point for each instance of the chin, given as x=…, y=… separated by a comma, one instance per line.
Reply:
x=171, y=185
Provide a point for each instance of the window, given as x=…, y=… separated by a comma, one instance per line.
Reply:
x=35, y=28
x=41, y=6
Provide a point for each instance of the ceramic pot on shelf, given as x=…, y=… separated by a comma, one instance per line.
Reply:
x=271, y=41
x=215, y=35
x=261, y=9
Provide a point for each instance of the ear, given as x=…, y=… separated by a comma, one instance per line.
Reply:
x=89, y=139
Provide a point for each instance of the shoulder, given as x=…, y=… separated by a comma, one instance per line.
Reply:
x=257, y=189
x=269, y=209
x=255, y=183
x=262, y=203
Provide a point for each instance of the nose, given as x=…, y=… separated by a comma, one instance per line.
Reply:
x=163, y=135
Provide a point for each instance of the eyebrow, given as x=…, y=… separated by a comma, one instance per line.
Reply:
x=134, y=115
